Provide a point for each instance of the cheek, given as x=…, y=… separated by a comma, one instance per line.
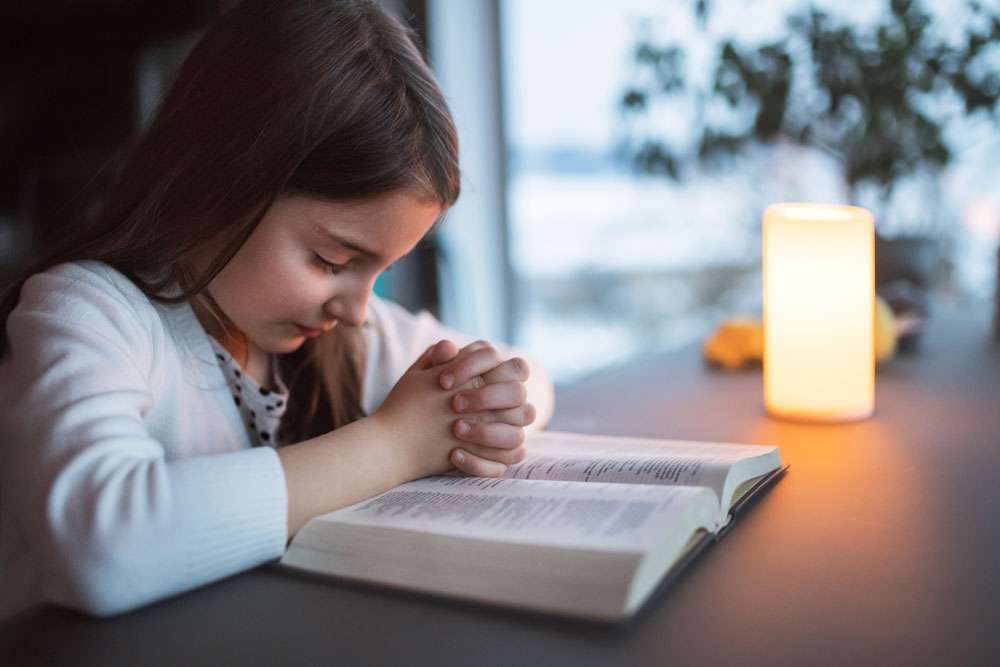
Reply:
x=291, y=286
x=266, y=280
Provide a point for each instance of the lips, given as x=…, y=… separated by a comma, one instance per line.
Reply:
x=308, y=332
x=312, y=332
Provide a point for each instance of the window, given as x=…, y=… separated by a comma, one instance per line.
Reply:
x=608, y=263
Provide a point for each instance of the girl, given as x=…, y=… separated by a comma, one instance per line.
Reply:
x=222, y=299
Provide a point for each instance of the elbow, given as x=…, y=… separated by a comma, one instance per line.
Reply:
x=98, y=554
x=543, y=414
x=95, y=583
x=541, y=394
x=90, y=601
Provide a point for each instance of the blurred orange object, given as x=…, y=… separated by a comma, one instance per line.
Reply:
x=737, y=342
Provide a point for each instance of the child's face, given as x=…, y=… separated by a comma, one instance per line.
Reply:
x=311, y=263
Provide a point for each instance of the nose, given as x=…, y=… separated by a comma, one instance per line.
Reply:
x=349, y=307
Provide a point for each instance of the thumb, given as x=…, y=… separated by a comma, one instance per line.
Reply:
x=423, y=362
x=438, y=353
x=443, y=351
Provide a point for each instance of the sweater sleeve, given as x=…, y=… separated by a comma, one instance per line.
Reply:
x=111, y=524
x=396, y=337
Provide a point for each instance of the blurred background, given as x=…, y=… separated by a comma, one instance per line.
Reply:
x=617, y=156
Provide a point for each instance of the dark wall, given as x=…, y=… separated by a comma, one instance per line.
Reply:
x=74, y=81
x=69, y=97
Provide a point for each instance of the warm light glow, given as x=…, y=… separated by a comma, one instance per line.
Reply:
x=819, y=291
x=982, y=218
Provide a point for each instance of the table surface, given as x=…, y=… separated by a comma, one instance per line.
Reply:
x=878, y=547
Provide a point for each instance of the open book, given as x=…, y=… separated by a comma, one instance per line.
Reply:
x=584, y=526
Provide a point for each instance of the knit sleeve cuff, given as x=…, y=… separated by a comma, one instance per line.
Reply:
x=234, y=508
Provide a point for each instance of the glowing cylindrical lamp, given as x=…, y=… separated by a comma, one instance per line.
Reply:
x=819, y=291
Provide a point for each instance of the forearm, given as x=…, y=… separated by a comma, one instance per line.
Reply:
x=340, y=468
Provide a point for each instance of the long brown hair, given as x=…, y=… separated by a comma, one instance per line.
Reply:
x=326, y=97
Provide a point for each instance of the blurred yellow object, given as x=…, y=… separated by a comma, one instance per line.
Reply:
x=737, y=342
x=886, y=331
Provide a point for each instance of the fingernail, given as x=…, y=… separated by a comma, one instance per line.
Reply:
x=461, y=403
x=447, y=381
x=459, y=456
x=462, y=428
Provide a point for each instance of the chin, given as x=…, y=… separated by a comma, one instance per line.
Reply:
x=287, y=345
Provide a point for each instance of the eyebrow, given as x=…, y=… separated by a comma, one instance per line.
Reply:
x=347, y=243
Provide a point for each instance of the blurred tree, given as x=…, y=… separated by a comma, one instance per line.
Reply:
x=876, y=98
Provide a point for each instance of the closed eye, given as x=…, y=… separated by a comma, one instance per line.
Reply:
x=329, y=267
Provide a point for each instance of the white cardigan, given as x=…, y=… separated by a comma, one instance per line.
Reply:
x=126, y=473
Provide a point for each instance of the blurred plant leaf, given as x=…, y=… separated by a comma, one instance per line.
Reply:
x=872, y=98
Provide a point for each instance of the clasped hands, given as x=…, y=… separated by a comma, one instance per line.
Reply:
x=490, y=403
x=463, y=408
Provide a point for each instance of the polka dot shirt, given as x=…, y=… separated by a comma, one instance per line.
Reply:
x=260, y=408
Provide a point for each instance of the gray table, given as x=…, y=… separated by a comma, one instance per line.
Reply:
x=878, y=547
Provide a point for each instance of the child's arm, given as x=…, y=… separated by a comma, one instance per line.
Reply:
x=408, y=437
x=123, y=480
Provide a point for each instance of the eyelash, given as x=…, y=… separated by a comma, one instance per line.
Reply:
x=329, y=267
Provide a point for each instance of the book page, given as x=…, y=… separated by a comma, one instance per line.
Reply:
x=614, y=517
x=554, y=455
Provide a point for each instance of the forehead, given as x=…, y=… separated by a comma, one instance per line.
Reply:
x=394, y=207
x=383, y=221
